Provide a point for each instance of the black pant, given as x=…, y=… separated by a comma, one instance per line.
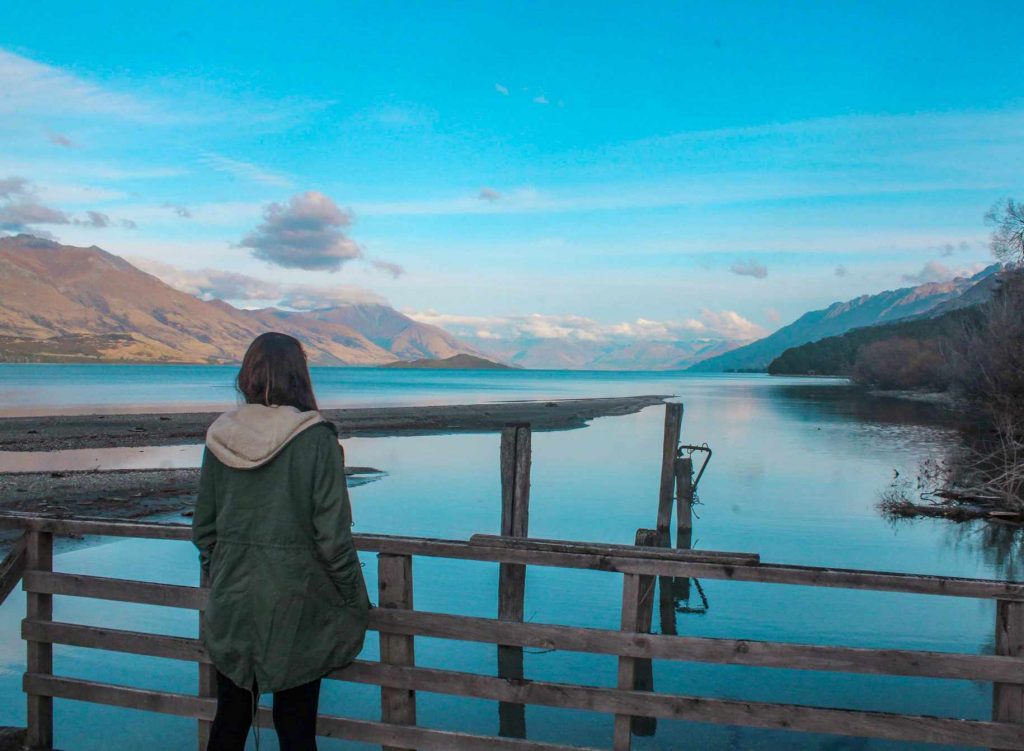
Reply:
x=295, y=711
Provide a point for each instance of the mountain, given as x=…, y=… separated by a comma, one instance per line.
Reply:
x=584, y=354
x=839, y=355
x=456, y=362
x=65, y=303
x=867, y=310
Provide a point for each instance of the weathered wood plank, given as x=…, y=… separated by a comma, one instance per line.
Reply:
x=654, y=551
x=120, y=590
x=794, y=717
x=39, y=553
x=394, y=590
x=669, y=447
x=786, y=655
x=883, y=725
x=13, y=566
x=115, y=640
x=1008, y=698
x=328, y=726
x=765, y=572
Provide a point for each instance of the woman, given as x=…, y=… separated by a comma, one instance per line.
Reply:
x=287, y=599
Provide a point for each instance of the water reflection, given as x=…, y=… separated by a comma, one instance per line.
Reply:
x=796, y=471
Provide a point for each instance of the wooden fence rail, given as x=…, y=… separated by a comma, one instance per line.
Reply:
x=633, y=704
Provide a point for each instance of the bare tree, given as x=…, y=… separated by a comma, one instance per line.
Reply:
x=1007, y=219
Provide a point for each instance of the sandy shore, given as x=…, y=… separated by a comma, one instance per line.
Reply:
x=60, y=432
x=119, y=494
x=136, y=493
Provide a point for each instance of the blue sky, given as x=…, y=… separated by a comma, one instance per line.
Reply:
x=719, y=168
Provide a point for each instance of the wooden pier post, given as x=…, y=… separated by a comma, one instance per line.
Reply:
x=669, y=447
x=394, y=590
x=1008, y=698
x=207, y=676
x=684, y=520
x=39, y=557
x=643, y=668
x=515, y=522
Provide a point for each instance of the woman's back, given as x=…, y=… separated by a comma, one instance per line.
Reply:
x=287, y=600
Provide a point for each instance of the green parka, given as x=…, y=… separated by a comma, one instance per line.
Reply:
x=273, y=526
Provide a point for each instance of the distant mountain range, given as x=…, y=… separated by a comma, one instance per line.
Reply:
x=457, y=362
x=63, y=303
x=576, y=354
x=932, y=299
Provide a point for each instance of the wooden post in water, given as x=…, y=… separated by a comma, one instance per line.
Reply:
x=684, y=519
x=643, y=668
x=39, y=557
x=394, y=590
x=515, y=522
x=1008, y=698
x=669, y=446
x=207, y=676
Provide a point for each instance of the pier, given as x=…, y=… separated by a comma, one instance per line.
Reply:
x=634, y=701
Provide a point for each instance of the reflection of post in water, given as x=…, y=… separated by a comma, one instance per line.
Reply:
x=677, y=481
x=515, y=515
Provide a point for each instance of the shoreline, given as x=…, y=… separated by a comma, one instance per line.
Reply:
x=136, y=430
x=118, y=493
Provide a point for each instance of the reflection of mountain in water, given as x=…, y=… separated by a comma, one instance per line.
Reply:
x=812, y=403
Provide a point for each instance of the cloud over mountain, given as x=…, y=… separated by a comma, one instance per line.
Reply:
x=308, y=232
x=216, y=284
x=721, y=324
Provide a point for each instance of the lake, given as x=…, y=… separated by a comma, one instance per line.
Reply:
x=798, y=465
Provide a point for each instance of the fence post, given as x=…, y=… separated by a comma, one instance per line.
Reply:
x=39, y=557
x=684, y=520
x=643, y=678
x=631, y=595
x=1008, y=698
x=394, y=590
x=669, y=446
x=515, y=522
x=207, y=675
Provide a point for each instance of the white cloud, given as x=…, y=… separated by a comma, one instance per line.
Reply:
x=244, y=170
x=503, y=90
x=308, y=232
x=217, y=284
x=541, y=100
x=710, y=324
x=936, y=271
x=59, y=139
x=489, y=194
x=29, y=87
x=388, y=267
x=749, y=268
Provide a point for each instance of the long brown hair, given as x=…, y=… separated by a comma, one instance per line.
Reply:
x=275, y=371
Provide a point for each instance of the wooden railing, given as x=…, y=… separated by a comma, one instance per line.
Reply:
x=398, y=624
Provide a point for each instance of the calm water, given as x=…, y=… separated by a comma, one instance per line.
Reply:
x=796, y=472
